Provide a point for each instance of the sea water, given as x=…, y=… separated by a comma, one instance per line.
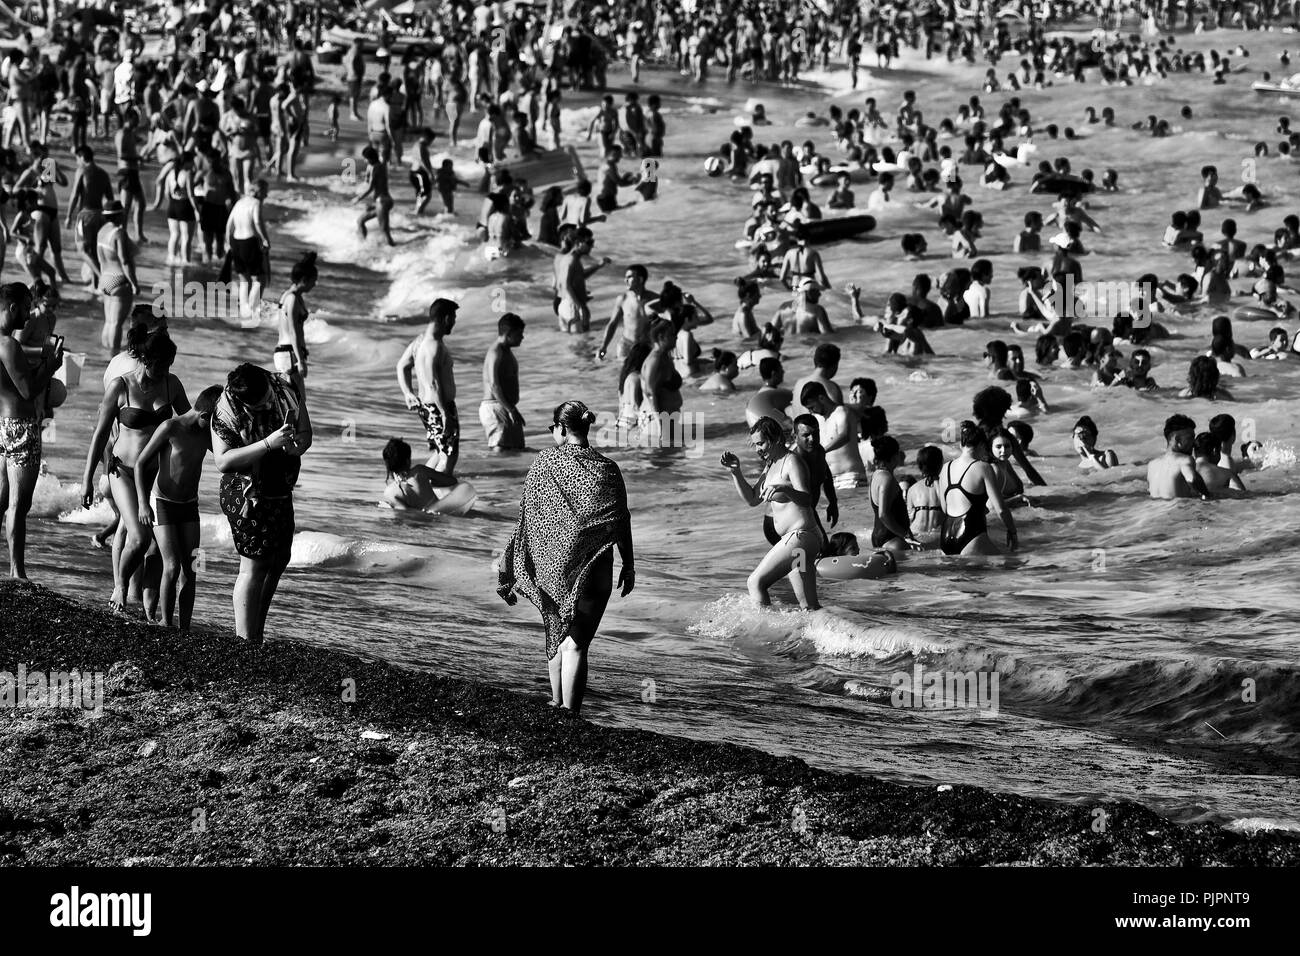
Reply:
x=1144, y=650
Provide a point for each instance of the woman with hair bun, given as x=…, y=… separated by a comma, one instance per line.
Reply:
x=572, y=517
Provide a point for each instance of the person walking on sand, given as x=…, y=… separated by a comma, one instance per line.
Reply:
x=175, y=455
x=572, y=517
x=499, y=412
x=21, y=384
x=260, y=431
x=432, y=394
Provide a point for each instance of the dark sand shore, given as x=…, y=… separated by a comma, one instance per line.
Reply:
x=261, y=741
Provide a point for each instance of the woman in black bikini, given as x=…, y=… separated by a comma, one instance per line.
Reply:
x=139, y=402
x=972, y=478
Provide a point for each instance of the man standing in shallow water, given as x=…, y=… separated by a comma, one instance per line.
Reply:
x=1173, y=474
x=435, y=402
x=499, y=412
x=20, y=421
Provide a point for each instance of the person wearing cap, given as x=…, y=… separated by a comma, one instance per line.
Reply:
x=804, y=313
x=424, y=374
x=117, y=280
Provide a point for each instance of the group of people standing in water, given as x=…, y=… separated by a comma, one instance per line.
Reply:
x=152, y=442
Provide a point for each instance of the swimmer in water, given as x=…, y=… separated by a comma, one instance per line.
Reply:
x=804, y=314
x=770, y=401
x=965, y=526
x=924, y=504
x=1085, y=443
x=1138, y=374
x=785, y=485
x=892, y=528
x=1205, y=455
x=743, y=323
x=725, y=370
x=1013, y=489
x=411, y=487
x=898, y=324
x=839, y=435
x=1174, y=474
x=1278, y=347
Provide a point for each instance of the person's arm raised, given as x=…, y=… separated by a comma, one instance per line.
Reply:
x=241, y=459
x=747, y=492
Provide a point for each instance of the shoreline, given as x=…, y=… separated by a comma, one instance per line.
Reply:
x=209, y=752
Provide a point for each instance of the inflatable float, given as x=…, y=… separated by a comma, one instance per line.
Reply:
x=1285, y=88
x=554, y=167
x=1255, y=313
x=833, y=229
x=857, y=567
x=1063, y=185
x=456, y=500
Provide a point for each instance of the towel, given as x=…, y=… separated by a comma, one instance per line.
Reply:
x=574, y=510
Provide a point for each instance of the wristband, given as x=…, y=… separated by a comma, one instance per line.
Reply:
x=267, y=443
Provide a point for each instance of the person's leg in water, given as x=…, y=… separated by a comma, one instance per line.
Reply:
x=137, y=538
x=151, y=577
x=797, y=552
x=275, y=569
x=115, y=309
x=587, y=615
x=382, y=216
x=248, y=596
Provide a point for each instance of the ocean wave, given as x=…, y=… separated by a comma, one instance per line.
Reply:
x=828, y=631
x=1252, y=825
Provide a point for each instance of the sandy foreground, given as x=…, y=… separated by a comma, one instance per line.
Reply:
x=210, y=752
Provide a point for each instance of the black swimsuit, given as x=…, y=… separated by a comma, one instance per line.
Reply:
x=960, y=531
x=880, y=533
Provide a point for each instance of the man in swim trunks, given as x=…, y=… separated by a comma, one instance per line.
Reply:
x=21, y=385
x=499, y=412
x=379, y=122
x=839, y=435
x=172, y=510
x=433, y=396
x=249, y=245
x=1174, y=474
x=571, y=283
x=629, y=314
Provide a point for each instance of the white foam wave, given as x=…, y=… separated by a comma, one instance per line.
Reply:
x=829, y=631
x=1252, y=825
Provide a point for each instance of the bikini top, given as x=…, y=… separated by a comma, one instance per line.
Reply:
x=977, y=502
x=143, y=419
